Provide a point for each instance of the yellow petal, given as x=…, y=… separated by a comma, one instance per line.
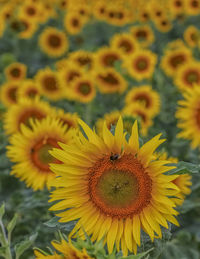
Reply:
x=134, y=138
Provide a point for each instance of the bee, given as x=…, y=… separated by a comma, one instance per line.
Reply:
x=114, y=157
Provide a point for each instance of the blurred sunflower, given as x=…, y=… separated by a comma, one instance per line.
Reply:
x=163, y=25
x=117, y=188
x=73, y=23
x=118, y=16
x=141, y=64
x=144, y=15
x=183, y=182
x=28, y=89
x=49, y=84
x=140, y=112
x=69, y=73
x=192, y=36
x=124, y=43
x=22, y=112
x=83, y=59
x=67, y=118
x=176, y=7
x=67, y=249
x=110, y=119
x=188, y=75
x=192, y=7
x=83, y=89
x=173, y=59
x=8, y=93
x=188, y=115
x=143, y=34
x=30, y=10
x=53, y=42
x=15, y=71
x=100, y=10
x=29, y=150
x=145, y=96
x=26, y=27
x=110, y=81
x=106, y=57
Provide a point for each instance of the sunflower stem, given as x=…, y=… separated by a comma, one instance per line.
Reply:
x=88, y=113
x=4, y=241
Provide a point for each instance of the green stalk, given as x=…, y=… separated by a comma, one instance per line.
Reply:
x=4, y=241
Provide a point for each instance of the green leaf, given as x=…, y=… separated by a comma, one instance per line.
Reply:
x=185, y=168
x=3, y=251
x=24, y=245
x=2, y=210
x=11, y=225
x=138, y=256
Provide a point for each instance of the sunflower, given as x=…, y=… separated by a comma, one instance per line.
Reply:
x=8, y=93
x=183, y=182
x=140, y=112
x=67, y=75
x=141, y=64
x=110, y=119
x=30, y=10
x=176, y=7
x=29, y=150
x=67, y=118
x=124, y=43
x=144, y=14
x=67, y=249
x=110, y=81
x=146, y=96
x=116, y=188
x=15, y=71
x=100, y=10
x=192, y=7
x=83, y=59
x=118, y=16
x=53, y=42
x=2, y=27
x=23, y=111
x=83, y=89
x=174, y=59
x=28, y=89
x=188, y=75
x=192, y=36
x=106, y=57
x=26, y=28
x=143, y=34
x=157, y=11
x=49, y=84
x=188, y=115
x=163, y=25
x=73, y=23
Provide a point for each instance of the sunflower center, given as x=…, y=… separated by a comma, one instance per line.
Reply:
x=40, y=153
x=15, y=72
x=194, y=3
x=110, y=59
x=141, y=35
x=177, y=60
x=125, y=45
x=109, y=78
x=141, y=64
x=194, y=37
x=32, y=93
x=84, y=88
x=142, y=97
x=12, y=94
x=75, y=22
x=54, y=41
x=192, y=77
x=33, y=114
x=119, y=188
x=72, y=75
x=178, y=3
x=50, y=83
x=31, y=11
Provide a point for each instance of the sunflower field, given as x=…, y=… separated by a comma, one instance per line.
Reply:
x=99, y=129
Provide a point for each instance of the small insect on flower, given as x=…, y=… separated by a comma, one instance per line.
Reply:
x=114, y=157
